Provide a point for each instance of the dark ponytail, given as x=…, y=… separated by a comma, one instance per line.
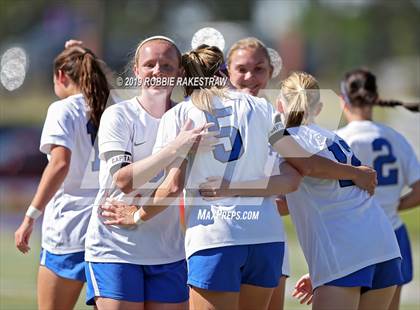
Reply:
x=85, y=69
x=359, y=89
x=413, y=107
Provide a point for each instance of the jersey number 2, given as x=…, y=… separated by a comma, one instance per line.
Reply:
x=342, y=157
x=92, y=130
x=382, y=160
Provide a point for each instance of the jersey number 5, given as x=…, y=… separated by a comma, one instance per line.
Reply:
x=342, y=157
x=220, y=153
x=380, y=161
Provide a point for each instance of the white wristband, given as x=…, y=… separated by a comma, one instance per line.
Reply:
x=33, y=212
x=137, y=218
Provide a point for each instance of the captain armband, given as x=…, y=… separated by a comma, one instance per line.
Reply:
x=116, y=160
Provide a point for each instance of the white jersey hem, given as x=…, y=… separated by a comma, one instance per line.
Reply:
x=89, y=258
x=352, y=269
x=62, y=251
x=231, y=243
x=397, y=224
x=400, y=224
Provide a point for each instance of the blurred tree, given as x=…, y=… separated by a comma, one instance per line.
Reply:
x=339, y=39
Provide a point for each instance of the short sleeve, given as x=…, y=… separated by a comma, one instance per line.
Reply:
x=59, y=128
x=168, y=130
x=309, y=139
x=410, y=163
x=114, y=132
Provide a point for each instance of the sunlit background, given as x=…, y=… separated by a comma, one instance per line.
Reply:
x=325, y=38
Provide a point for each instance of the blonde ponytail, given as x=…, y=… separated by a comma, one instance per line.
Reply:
x=300, y=96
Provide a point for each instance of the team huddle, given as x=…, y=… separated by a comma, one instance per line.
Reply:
x=163, y=205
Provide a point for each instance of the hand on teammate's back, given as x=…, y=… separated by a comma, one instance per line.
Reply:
x=214, y=188
x=118, y=213
x=366, y=179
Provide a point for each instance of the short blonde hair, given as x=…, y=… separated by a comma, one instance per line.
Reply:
x=247, y=43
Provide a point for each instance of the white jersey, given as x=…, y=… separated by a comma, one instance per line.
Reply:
x=245, y=123
x=389, y=153
x=127, y=127
x=272, y=167
x=341, y=229
x=67, y=214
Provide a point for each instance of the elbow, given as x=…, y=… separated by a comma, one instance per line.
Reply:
x=61, y=166
x=294, y=182
x=306, y=170
x=174, y=190
x=166, y=191
x=304, y=166
x=126, y=189
x=123, y=184
x=170, y=189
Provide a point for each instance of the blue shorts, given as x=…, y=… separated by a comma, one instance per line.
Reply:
x=166, y=283
x=373, y=277
x=69, y=266
x=405, y=249
x=226, y=268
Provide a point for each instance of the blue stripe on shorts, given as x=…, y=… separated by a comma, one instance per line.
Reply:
x=405, y=249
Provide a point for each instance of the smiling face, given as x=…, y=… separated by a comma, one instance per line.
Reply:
x=249, y=70
x=157, y=58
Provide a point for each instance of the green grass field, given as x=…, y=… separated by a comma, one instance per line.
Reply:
x=18, y=272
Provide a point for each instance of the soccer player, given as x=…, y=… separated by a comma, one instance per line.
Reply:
x=234, y=245
x=388, y=152
x=138, y=267
x=349, y=244
x=70, y=181
x=250, y=70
